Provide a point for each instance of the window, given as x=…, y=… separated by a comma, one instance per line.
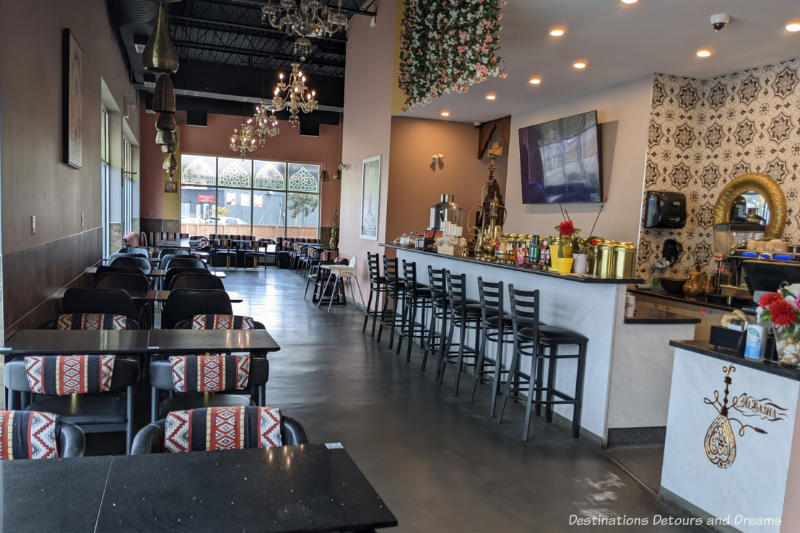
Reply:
x=266, y=199
x=127, y=186
x=105, y=179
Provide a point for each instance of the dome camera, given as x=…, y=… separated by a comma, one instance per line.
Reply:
x=719, y=21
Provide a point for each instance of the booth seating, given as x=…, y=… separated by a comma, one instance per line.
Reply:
x=155, y=238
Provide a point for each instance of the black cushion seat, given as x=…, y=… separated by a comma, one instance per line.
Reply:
x=84, y=409
x=552, y=334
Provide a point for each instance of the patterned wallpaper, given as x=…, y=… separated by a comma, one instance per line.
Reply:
x=704, y=133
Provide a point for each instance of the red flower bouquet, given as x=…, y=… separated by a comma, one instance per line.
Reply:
x=782, y=308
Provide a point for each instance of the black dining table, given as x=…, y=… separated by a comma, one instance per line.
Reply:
x=211, y=340
x=311, y=488
x=76, y=342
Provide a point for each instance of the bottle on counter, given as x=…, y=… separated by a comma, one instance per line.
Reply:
x=534, y=251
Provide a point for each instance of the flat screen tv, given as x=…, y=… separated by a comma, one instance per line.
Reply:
x=560, y=161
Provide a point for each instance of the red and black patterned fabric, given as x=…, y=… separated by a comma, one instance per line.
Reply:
x=222, y=322
x=91, y=321
x=209, y=373
x=28, y=435
x=61, y=375
x=222, y=428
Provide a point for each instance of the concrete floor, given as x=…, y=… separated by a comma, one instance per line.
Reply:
x=439, y=462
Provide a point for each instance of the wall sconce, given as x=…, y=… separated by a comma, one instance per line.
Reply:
x=339, y=168
x=436, y=159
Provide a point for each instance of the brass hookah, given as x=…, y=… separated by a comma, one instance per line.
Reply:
x=491, y=214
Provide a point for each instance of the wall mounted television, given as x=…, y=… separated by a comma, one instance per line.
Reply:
x=560, y=161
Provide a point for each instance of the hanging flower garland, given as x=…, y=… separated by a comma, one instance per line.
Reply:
x=448, y=46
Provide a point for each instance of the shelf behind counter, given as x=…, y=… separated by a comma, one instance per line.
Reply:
x=580, y=278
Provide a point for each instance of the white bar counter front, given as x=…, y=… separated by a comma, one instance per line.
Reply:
x=591, y=306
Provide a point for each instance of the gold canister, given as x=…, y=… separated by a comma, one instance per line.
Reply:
x=604, y=261
x=624, y=258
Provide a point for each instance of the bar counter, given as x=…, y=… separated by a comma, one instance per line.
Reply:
x=730, y=450
x=595, y=308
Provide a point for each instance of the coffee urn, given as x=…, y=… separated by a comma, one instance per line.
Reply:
x=446, y=210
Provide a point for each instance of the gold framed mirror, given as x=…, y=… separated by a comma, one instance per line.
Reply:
x=759, y=184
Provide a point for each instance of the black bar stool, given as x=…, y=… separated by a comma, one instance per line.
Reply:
x=418, y=299
x=395, y=292
x=495, y=327
x=466, y=315
x=541, y=342
x=377, y=288
x=437, y=340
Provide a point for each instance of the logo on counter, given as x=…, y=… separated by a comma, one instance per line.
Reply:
x=720, y=441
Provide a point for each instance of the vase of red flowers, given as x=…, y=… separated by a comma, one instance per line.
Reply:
x=782, y=308
x=567, y=232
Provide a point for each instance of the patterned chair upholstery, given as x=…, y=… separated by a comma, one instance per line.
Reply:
x=94, y=392
x=219, y=429
x=38, y=435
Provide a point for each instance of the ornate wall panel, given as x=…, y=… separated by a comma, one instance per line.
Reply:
x=704, y=133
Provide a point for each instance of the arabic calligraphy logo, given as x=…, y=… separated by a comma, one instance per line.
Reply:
x=720, y=441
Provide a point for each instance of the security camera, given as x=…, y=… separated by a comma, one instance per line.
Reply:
x=719, y=21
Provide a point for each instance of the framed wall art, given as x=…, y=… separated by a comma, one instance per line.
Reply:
x=73, y=100
x=370, y=197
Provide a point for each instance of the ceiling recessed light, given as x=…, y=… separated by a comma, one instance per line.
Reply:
x=793, y=26
x=629, y=1
x=536, y=80
x=580, y=65
x=558, y=31
x=491, y=97
x=704, y=53
x=445, y=113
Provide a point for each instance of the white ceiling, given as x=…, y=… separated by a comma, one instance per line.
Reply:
x=621, y=43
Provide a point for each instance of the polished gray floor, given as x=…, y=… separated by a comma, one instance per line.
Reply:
x=438, y=461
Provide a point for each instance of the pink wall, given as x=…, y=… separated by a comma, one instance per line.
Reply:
x=415, y=185
x=289, y=145
x=367, y=123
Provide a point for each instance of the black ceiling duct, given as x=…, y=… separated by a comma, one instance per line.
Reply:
x=197, y=118
x=309, y=127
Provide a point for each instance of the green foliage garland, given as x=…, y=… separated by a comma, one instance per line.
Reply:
x=448, y=45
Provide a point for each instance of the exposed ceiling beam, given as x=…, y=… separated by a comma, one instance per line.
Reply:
x=253, y=52
x=349, y=10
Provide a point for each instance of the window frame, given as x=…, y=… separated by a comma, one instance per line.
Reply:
x=252, y=188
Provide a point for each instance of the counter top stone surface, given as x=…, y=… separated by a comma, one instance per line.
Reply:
x=704, y=348
x=580, y=278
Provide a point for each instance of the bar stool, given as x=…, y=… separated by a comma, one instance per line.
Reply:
x=465, y=315
x=395, y=292
x=495, y=327
x=377, y=288
x=541, y=342
x=418, y=299
x=437, y=340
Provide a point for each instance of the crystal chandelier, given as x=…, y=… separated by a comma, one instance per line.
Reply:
x=305, y=18
x=265, y=123
x=242, y=140
x=294, y=96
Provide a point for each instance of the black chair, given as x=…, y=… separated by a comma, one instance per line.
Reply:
x=392, y=317
x=105, y=412
x=417, y=301
x=465, y=315
x=132, y=282
x=134, y=261
x=109, y=301
x=377, y=289
x=186, y=262
x=496, y=328
x=183, y=304
x=141, y=252
x=541, y=342
x=437, y=340
x=162, y=379
x=222, y=252
x=69, y=439
x=150, y=439
x=186, y=280
x=172, y=273
x=168, y=251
